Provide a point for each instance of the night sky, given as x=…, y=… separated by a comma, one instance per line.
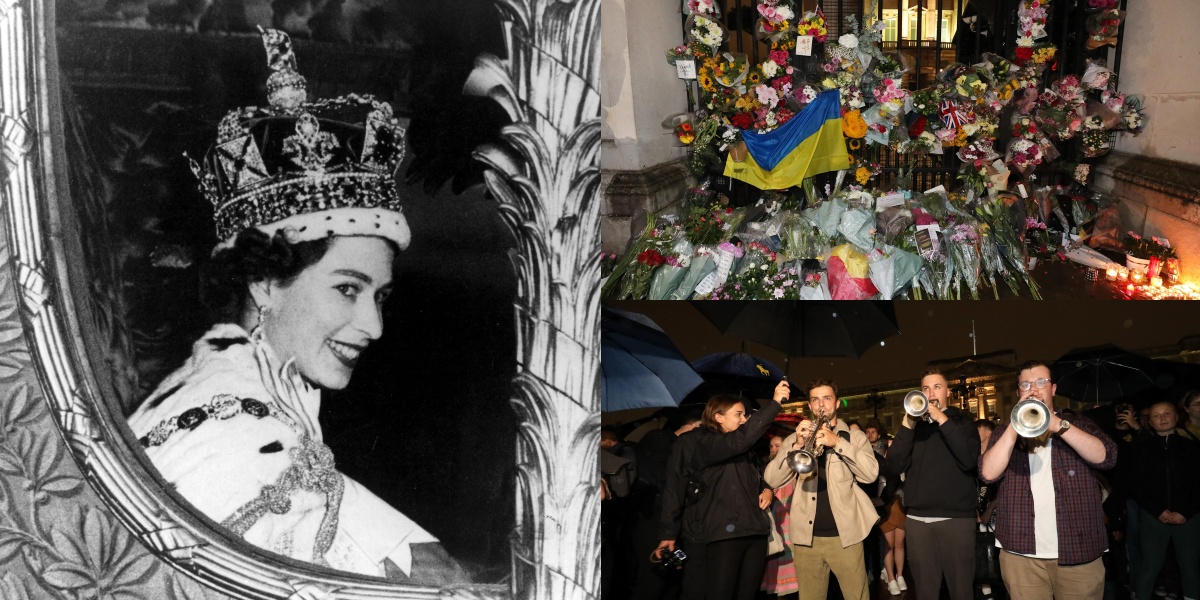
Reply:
x=934, y=330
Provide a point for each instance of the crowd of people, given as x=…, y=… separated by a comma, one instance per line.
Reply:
x=719, y=504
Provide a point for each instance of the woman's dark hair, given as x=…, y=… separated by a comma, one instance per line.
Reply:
x=254, y=257
x=718, y=404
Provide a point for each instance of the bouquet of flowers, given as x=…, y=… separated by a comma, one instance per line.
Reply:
x=774, y=24
x=608, y=262
x=706, y=31
x=706, y=225
x=890, y=90
x=813, y=24
x=1025, y=127
x=635, y=269
x=970, y=86
x=1024, y=155
x=800, y=239
x=964, y=253
x=731, y=69
x=1002, y=231
x=1140, y=247
x=703, y=7
x=678, y=53
x=927, y=102
x=1037, y=238
x=1096, y=142
x=1060, y=122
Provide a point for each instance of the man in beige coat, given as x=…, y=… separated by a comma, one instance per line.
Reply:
x=831, y=515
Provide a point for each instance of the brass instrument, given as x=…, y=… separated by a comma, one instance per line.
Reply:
x=804, y=461
x=916, y=404
x=1030, y=418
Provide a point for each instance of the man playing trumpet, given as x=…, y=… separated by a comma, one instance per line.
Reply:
x=1049, y=519
x=938, y=452
x=830, y=514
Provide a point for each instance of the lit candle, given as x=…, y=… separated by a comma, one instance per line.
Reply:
x=1156, y=281
x=1129, y=287
x=1137, y=276
x=1111, y=273
x=1122, y=273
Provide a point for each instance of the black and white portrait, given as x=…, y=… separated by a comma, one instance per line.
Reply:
x=296, y=254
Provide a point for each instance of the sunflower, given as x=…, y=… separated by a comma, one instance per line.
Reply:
x=709, y=63
x=754, y=78
x=706, y=82
x=854, y=144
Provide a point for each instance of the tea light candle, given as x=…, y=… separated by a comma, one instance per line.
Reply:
x=1156, y=281
x=1137, y=276
x=1111, y=273
x=1122, y=273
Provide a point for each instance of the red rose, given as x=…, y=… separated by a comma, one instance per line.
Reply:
x=1023, y=54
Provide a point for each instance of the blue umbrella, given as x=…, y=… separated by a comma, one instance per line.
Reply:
x=737, y=364
x=640, y=367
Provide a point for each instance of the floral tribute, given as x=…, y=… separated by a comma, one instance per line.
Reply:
x=894, y=240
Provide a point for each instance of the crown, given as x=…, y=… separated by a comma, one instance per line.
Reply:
x=314, y=169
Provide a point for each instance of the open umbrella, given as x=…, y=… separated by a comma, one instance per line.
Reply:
x=640, y=367
x=1103, y=374
x=805, y=328
x=737, y=364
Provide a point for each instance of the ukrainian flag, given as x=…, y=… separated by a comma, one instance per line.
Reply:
x=808, y=144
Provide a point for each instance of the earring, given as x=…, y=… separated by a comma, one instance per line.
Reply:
x=263, y=311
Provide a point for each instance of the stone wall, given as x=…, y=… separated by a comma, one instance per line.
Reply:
x=639, y=159
x=1157, y=173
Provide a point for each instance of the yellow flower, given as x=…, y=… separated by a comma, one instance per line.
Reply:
x=854, y=144
x=863, y=175
x=747, y=102
x=754, y=77
x=706, y=82
x=709, y=63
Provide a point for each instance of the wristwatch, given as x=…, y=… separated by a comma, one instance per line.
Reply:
x=1063, y=425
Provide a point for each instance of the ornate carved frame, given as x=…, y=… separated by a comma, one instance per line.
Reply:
x=545, y=177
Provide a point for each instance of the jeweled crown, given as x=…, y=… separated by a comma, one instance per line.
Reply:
x=316, y=169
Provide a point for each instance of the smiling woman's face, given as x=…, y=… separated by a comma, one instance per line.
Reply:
x=331, y=311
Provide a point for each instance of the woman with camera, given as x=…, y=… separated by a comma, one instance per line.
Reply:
x=724, y=502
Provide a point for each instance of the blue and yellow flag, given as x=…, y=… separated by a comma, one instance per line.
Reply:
x=809, y=143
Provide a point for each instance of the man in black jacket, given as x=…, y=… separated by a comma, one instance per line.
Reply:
x=938, y=457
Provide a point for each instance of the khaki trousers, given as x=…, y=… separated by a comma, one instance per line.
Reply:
x=1043, y=578
x=813, y=565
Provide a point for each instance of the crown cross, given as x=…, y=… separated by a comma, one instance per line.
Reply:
x=310, y=149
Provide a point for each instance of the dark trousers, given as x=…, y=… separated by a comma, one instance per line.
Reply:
x=650, y=582
x=695, y=571
x=735, y=568
x=945, y=548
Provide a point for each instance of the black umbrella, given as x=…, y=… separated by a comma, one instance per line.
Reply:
x=640, y=367
x=737, y=364
x=1103, y=374
x=805, y=328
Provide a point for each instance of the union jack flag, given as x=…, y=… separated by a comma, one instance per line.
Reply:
x=953, y=116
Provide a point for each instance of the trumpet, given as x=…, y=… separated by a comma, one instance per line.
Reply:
x=1030, y=418
x=804, y=461
x=916, y=404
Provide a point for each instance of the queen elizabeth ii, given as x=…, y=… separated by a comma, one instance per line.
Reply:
x=310, y=224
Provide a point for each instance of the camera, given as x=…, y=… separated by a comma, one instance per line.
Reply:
x=674, y=559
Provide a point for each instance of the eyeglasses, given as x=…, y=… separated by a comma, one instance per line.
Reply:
x=1028, y=385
